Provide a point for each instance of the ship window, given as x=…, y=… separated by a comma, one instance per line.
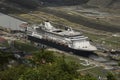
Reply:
x=84, y=47
x=58, y=31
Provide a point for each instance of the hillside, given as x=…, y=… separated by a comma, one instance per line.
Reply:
x=116, y=5
x=99, y=3
x=95, y=3
x=104, y=3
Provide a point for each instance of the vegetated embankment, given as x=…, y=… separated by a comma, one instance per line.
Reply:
x=105, y=3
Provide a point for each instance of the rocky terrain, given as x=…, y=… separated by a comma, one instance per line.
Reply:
x=95, y=3
x=105, y=3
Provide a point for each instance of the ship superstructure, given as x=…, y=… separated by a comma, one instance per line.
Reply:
x=63, y=37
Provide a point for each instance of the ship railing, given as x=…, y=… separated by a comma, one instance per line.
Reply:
x=78, y=37
x=55, y=40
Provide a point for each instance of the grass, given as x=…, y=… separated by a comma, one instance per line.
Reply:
x=72, y=58
x=97, y=71
x=30, y=18
x=111, y=42
x=27, y=47
x=5, y=44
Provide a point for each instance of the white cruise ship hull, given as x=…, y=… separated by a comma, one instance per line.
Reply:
x=60, y=46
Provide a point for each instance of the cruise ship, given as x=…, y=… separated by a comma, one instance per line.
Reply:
x=64, y=39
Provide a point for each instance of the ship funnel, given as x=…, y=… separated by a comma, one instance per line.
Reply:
x=48, y=25
x=68, y=28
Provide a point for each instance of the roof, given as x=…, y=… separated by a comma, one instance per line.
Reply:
x=2, y=40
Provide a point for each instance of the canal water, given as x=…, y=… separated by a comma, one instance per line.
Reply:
x=9, y=22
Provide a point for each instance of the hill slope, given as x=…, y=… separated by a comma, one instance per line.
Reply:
x=95, y=3
x=104, y=3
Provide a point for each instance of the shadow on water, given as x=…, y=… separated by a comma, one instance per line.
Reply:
x=18, y=6
x=8, y=10
x=84, y=54
x=21, y=6
x=61, y=47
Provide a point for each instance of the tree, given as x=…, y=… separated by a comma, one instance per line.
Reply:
x=110, y=76
x=43, y=57
x=69, y=67
x=13, y=73
x=55, y=71
x=4, y=59
x=119, y=63
x=87, y=77
x=58, y=69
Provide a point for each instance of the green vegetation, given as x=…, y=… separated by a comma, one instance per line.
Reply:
x=13, y=73
x=4, y=44
x=110, y=76
x=4, y=59
x=97, y=71
x=43, y=56
x=109, y=41
x=59, y=70
x=27, y=47
x=46, y=66
x=72, y=58
x=119, y=63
